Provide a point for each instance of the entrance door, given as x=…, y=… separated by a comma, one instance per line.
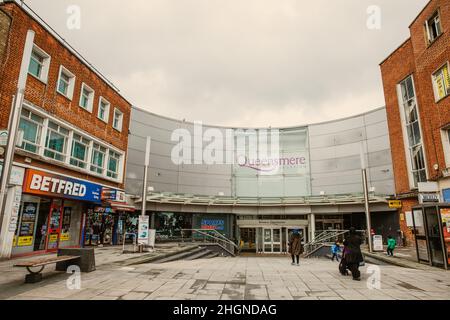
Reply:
x=54, y=225
x=272, y=240
x=434, y=237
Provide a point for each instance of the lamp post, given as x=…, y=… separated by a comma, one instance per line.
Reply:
x=366, y=196
x=144, y=185
x=13, y=124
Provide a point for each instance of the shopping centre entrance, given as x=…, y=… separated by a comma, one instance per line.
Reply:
x=269, y=236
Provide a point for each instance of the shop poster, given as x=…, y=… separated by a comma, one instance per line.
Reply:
x=143, y=230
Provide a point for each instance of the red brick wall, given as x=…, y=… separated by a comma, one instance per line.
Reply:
x=396, y=68
x=45, y=95
x=407, y=205
x=419, y=58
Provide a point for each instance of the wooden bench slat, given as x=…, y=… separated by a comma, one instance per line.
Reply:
x=45, y=261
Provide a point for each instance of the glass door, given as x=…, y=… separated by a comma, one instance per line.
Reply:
x=420, y=236
x=272, y=240
x=54, y=225
x=434, y=237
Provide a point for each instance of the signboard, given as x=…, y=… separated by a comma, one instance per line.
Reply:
x=17, y=174
x=64, y=237
x=48, y=184
x=395, y=204
x=429, y=197
x=24, y=241
x=3, y=137
x=213, y=224
x=151, y=237
x=143, y=230
x=109, y=194
x=378, y=243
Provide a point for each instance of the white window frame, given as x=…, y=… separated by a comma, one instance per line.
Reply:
x=68, y=149
x=116, y=110
x=64, y=154
x=45, y=64
x=71, y=84
x=434, y=16
x=105, y=159
x=108, y=108
x=445, y=140
x=88, y=149
x=433, y=79
x=119, y=161
x=90, y=105
x=409, y=165
x=40, y=126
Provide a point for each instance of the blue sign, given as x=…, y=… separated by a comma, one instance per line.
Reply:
x=213, y=224
x=446, y=194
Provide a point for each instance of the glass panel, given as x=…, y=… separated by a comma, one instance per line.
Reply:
x=35, y=67
x=55, y=143
x=31, y=135
x=434, y=236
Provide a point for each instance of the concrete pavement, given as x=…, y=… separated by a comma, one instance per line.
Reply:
x=249, y=278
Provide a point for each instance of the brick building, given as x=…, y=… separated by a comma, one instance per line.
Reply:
x=417, y=88
x=73, y=136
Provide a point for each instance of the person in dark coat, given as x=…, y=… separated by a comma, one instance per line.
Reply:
x=352, y=253
x=295, y=246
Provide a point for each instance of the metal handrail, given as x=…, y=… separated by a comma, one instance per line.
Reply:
x=324, y=237
x=216, y=237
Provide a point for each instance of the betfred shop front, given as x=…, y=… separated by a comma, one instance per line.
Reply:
x=53, y=208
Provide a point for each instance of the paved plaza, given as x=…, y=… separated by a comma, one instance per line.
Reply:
x=249, y=278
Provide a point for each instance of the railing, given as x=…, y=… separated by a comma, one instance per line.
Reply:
x=209, y=236
x=328, y=237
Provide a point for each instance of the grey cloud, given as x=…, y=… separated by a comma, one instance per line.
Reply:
x=239, y=62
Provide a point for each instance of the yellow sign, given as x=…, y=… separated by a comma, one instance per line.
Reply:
x=64, y=237
x=396, y=204
x=53, y=238
x=15, y=241
x=24, y=241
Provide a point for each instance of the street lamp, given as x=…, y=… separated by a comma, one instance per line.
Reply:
x=366, y=196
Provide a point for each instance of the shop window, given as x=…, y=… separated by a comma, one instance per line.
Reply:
x=80, y=147
x=117, y=121
x=103, y=110
x=39, y=64
x=441, y=82
x=433, y=27
x=113, y=165
x=414, y=136
x=66, y=82
x=30, y=126
x=98, y=159
x=86, y=97
x=56, y=142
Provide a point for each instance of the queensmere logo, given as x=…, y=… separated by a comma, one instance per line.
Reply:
x=255, y=149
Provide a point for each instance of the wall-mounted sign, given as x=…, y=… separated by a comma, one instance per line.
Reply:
x=429, y=197
x=109, y=194
x=48, y=184
x=64, y=237
x=395, y=204
x=24, y=241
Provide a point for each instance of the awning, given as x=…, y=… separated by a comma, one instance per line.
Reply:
x=122, y=207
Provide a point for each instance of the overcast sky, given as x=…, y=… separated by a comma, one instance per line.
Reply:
x=239, y=62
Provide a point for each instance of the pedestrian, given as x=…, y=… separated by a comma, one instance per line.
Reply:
x=295, y=246
x=335, y=249
x=391, y=244
x=352, y=254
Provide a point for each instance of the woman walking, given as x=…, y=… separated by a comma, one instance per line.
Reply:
x=352, y=253
x=295, y=246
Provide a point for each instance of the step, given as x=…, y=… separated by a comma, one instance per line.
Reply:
x=155, y=256
x=212, y=255
x=179, y=256
x=199, y=255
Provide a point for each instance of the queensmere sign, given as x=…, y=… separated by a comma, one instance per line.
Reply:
x=48, y=184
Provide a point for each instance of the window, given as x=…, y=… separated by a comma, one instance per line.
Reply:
x=80, y=147
x=113, y=165
x=31, y=126
x=86, y=97
x=103, y=110
x=66, y=82
x=117, y=121
x=39, y=64
x=441, y=83
x=414, y=136
x=433, y=27
x=56, y=142
x=98, y=159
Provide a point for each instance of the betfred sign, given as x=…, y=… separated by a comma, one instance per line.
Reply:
x=48, y=184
